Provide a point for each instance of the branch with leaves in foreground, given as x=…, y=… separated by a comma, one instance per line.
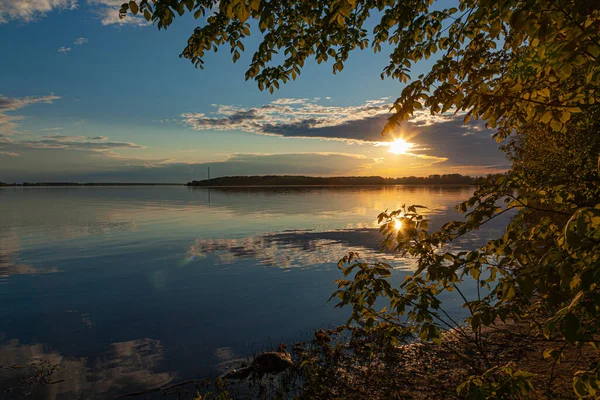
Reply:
x=542, y=272
x=507, y=62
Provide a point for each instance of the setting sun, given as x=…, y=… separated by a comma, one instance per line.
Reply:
x=400, y=146
x=397, y=224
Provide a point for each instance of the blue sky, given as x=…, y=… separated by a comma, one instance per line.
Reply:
x=85, y=96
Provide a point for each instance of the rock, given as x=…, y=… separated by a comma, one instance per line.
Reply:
x=271, y=362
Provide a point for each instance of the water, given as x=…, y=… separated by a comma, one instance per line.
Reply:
x=131, y=288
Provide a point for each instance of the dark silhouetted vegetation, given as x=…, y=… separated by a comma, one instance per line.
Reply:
x=292, y=180
x=28, y=184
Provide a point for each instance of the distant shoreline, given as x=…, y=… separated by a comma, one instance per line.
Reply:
x=74, y=184
x=324, y=186
x=311, y=181
x=269, y=181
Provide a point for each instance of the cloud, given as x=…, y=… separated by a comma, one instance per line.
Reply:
x=65, y=142
x=437, y=138
x=108, y=13
x=29, y=10
x=295, y=118
x=8, y=104
x=39, y=162
x=12, y=104
x=78, y=42
x=62, y=157
x=295, y=249
x=123, y=366
x=10, y=263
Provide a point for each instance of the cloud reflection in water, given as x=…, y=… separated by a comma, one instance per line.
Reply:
x=294, y=249
x=124, y=367
x=9, y=259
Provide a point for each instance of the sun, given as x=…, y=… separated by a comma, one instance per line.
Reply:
x=397, y=224
x=400, y=146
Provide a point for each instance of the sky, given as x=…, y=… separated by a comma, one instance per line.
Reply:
x=88, y=97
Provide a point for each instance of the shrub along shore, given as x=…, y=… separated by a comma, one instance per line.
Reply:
x=348, y=363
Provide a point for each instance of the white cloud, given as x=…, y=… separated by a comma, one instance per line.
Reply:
x=77, y=42
x=290, y=117
x=108, y=13
x=9, y=154
x=29, y=10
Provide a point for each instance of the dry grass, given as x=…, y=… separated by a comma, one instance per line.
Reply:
x=426, y=371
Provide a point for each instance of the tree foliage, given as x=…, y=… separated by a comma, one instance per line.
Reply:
x=530, y=69
x=544, y=271
x=296, y=180
x=508, y=62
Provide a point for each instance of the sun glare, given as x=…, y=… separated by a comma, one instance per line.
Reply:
x=400, y=146
x=397, y=224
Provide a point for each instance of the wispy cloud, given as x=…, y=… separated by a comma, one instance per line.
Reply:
x=11, y=104
x=9, y=153
x=8, y=123
x=30, y=10
x=77, y=42
x=66, y=142
x=97, y=163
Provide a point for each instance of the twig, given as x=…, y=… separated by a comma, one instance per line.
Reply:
x=160, y=389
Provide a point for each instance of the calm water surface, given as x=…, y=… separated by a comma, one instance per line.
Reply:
x=131, y=288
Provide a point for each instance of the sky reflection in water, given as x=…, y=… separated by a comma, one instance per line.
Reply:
x=133, y=288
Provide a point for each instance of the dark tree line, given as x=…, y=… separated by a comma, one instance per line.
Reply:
x=292, y=180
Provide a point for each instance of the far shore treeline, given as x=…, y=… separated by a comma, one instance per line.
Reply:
x=286, y=180
x=292, y=180
x=29, y=184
